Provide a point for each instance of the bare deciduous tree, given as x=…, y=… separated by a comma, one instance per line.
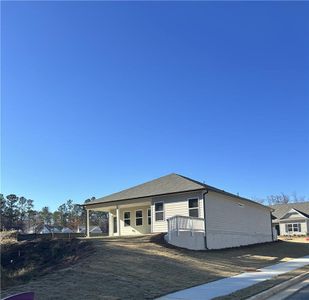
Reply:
x=278, y=199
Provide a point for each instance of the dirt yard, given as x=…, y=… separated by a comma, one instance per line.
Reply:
x=145, y=268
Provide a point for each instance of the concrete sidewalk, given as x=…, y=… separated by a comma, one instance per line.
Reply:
x=231, y=284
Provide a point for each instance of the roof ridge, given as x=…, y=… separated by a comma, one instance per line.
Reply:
x=193, y=180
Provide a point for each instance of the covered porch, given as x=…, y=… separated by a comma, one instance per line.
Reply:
x=130, y=217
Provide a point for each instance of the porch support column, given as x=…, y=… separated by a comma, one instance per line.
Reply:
x=118, y=221
x=87, y=224
x=109, y=223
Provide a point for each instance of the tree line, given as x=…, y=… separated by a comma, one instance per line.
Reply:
x=282, y=198
x=18, y=213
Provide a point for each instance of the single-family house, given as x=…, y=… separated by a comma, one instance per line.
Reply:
x=194, y=214
x=291, y=218
x=67, y=230
x=44, y=229
x=92, y=229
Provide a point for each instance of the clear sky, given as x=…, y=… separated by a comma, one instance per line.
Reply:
x=100, y=96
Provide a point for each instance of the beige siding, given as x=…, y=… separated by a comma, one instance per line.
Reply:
x=176, y=204
x=133, y=229
x=232, y=222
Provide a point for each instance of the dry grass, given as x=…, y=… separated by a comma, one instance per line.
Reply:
x=145, y=268
x=23, y=261
x=8, y=237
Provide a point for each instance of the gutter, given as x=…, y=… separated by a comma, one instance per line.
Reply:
x=205, y=226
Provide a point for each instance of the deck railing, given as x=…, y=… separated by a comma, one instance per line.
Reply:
x=184, y=223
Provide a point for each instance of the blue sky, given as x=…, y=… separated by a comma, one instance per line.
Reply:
x=100, y=96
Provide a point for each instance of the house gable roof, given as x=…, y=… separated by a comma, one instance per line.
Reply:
x=169, y=184
x=280, y=210
x=293, y=210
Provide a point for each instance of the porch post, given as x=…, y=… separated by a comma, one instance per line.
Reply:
x=118, y=221
x=109, y=223
x=87, y=223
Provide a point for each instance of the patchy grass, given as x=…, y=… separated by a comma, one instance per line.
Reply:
x=8, y=237
x=23, y=261
x=263, y=286
x=145, y=267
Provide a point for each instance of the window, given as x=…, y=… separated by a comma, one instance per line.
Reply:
x=289, y=227
x=139, y=218
x=159, y=211
x=127, y=218
x=149, y=216
x=193, y=207
x=295, y=227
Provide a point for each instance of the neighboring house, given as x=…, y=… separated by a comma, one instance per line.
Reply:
x=46, y=229
x=43, y=229
x=179, y=205
x=291, y=218
x=67, y=230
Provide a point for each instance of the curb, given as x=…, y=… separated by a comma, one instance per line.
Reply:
x=278, y=288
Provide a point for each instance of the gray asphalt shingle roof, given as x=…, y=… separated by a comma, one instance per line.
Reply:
x=281, y=209
x=169, y=184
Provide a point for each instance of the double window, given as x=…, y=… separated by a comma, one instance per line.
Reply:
x=139, y=218
x=159, y=211
x=127, y=218
x=293, y=227
x=193, y=207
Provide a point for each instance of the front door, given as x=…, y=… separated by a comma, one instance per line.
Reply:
x=115, y=224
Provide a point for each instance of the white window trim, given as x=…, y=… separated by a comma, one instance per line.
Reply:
x=124, y=219
x=198, y=206
x=149, y=216
x=139, y=217
x=292, y=224
x=163, y=211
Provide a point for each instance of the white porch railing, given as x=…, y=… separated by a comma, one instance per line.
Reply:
x=184, y=223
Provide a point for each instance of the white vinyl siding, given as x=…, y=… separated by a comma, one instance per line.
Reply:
x=132, y=229
x=232, y=222
x=176, y=204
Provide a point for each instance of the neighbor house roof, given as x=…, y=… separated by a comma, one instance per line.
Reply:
x=281, y=209
x=169, y=184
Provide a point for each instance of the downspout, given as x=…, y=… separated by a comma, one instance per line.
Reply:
x=205, y=226
x=271, y=228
